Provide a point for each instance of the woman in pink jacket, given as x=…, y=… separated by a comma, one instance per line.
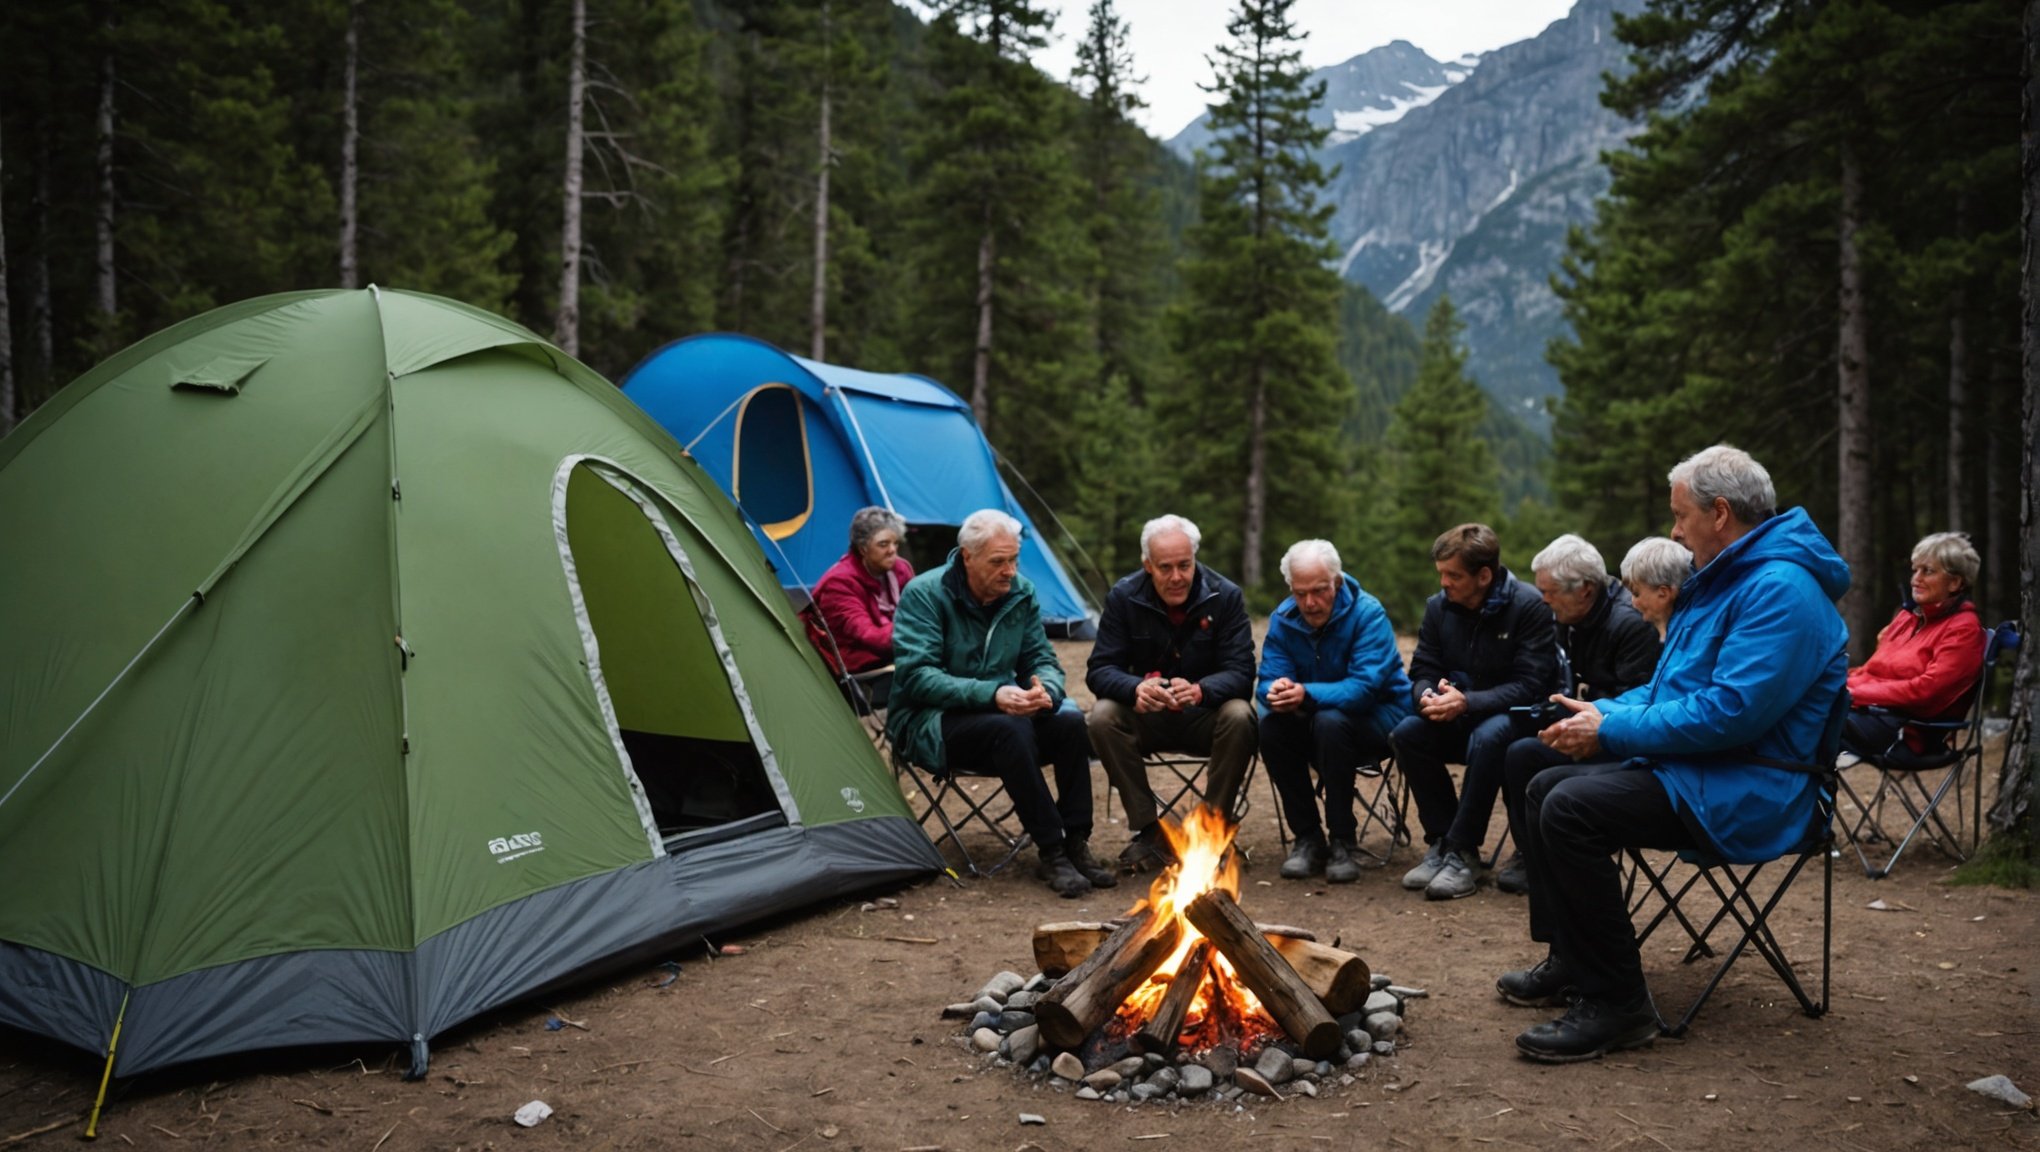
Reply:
x=1928, y=657
x=855, y=598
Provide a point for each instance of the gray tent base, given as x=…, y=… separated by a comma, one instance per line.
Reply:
x=543, y=941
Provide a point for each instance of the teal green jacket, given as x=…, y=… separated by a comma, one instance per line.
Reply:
x=952, y=654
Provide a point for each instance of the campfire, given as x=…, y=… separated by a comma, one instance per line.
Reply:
x=1187, y=978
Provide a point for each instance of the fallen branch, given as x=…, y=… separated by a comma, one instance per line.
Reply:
x=52, y=1126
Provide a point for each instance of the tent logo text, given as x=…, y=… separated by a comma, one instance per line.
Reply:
x=853, y=800
x=508, y=848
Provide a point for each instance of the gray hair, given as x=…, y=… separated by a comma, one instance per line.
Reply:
x=1953, y=552
x=1318, y=552
x=1168, y=523
x=1657, y=562
x=1572, y=562
x=869, y=522
x=980, y=526
x=1727, y=473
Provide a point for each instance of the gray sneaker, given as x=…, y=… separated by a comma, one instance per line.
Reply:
x=1340, y=867
x=1419, y=878
x=1455, y=878
x=1307, y=857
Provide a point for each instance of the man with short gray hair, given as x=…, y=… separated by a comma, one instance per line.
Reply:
x=1172, y=670
x=975, y=681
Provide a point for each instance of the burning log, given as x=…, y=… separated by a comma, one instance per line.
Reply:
x=1082, y=1000
x=1339, y=978
x=1159, y=1033
x=1281, y=991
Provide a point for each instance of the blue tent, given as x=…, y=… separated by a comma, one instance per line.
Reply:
x=802, y=445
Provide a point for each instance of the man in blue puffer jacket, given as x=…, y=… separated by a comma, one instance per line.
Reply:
x=1332, y=681
x=1754, y=660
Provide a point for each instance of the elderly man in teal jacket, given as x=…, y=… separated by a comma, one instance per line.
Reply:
x=975, y=681
x=1753, y=663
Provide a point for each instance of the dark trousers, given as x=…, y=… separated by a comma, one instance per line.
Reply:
x=1014, y=748
x=1577, y=817
x=1520, y=765
x=1423, y=748
x=1867, y=734
x=1122, y=737
x=1337, y=744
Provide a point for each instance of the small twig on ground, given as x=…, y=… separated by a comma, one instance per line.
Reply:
x=52, y=1126
x=820, y=1092
x=765, y=1122
x=705, y=1072
x=315, y=1106
x=562, y=1018
x=731, y=1056
x=166, y=1132
x=911, y=939
x=385, y=1136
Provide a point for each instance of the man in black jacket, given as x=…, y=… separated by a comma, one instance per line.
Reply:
x=1607, y=648
x=1173, y=670
x=1486, y=645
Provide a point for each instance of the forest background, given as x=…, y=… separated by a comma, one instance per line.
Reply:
x=1810, y=248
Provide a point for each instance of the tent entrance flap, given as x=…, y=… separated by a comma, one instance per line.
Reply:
x=677, y=714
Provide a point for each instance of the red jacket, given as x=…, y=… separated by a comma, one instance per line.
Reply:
x=847, y=601
x=1926, y=662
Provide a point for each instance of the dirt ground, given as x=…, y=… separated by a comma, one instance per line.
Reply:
x=824, y=1034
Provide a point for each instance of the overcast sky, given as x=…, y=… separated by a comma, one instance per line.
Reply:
x=1170, y=38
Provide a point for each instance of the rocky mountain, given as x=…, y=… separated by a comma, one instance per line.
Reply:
x=1373, y=89
x=1472, y=193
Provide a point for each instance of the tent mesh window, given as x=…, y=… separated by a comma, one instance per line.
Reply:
x=686, y=737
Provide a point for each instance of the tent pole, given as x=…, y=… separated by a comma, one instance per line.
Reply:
x=92, y=1125
x=866, y=447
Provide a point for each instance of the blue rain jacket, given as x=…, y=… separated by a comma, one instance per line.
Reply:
x=1351, y=664
x=1753, y=661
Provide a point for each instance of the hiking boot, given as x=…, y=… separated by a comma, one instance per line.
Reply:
x=1062, y=876
x=1418, y=878
x=1148, y=851
x=1513, y=876
x=1590, y=1029
x=1079, y=852
x=1456, y=878
x=1546, y=984
x=1340, y=867
x=1307, y=857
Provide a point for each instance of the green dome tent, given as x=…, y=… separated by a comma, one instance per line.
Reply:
x=366, y=663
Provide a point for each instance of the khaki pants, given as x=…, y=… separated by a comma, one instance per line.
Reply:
x=1224, y=735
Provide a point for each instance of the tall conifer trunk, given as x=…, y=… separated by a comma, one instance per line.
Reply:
x=350, y=142
x=1958, y=381
x=108, y=295
x=6, y=319
x=567, y=327
x=39, y=290
x=818, y=310
x=1852, y=484
x=981, y=366
x=2016, y=811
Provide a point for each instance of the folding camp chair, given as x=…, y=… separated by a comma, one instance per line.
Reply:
x=1733, y=885
x=982, y=796
x=1383, y=801
x=1901, y=775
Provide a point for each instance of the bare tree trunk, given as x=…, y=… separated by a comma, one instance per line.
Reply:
x=1852, y=484
x=981, y=370
x=1257, y=481
x=1958, y=381
x=6, y=320
x=2014, y=815
x=39, y=294
x=818, y=312
x=109, y=299
x=567, y=328
x=350, y=142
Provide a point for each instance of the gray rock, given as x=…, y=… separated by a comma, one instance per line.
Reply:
x=1195, y=1080
x=1346, y=1081
x=1088, y=1093
x=1104, y=1080
x=1381, y=981
x=1001, y=986
x=1067, y=1066
x=985, y=1040
x=988, y=1004
x=1384, y=1047
x=984, y=1020
x=1325, y=1067
x=1040, y=1065
x=1037, y=983
x=1020, y=1001
x=1405, y=993
x=1031, y=1118
x=1130, y=1067
x=1306, y=1087
x=1301, y=1067
x=1013, y=1021
x=1153, y=1061
x=2001, y=1088
x=1024, y=1044
x=1165, y=1080
x=1222, y=1060
x=1384, y=1025
x=1256, y=1083
x=959, y=1011
x=1358, y=1060
x=1118, y=1097
x=1381, y=1002
x=1147, y=1092
x=1275, y=1065
x=1359, y=1040
x=992, y=1060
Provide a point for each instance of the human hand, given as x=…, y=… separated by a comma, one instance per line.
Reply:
x=1444, y=704
x=1153, y=695
x=1578, y=735
x=1185, y=694
x=1013, y=700
x=1285, y=695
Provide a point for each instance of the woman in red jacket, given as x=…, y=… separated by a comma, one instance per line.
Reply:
x=855, y=598
x=1928, y=657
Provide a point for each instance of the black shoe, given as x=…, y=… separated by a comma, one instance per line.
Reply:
x=1148, y=851
x=1307, y=857
x=1061, y=875
x=1513, y=876
x=1547, y=984
x=1340, y=867
x=1079, y=852
x=1591, y=1029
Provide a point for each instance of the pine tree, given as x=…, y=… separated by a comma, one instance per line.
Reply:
x=1263, y=400
x=1443, y=471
